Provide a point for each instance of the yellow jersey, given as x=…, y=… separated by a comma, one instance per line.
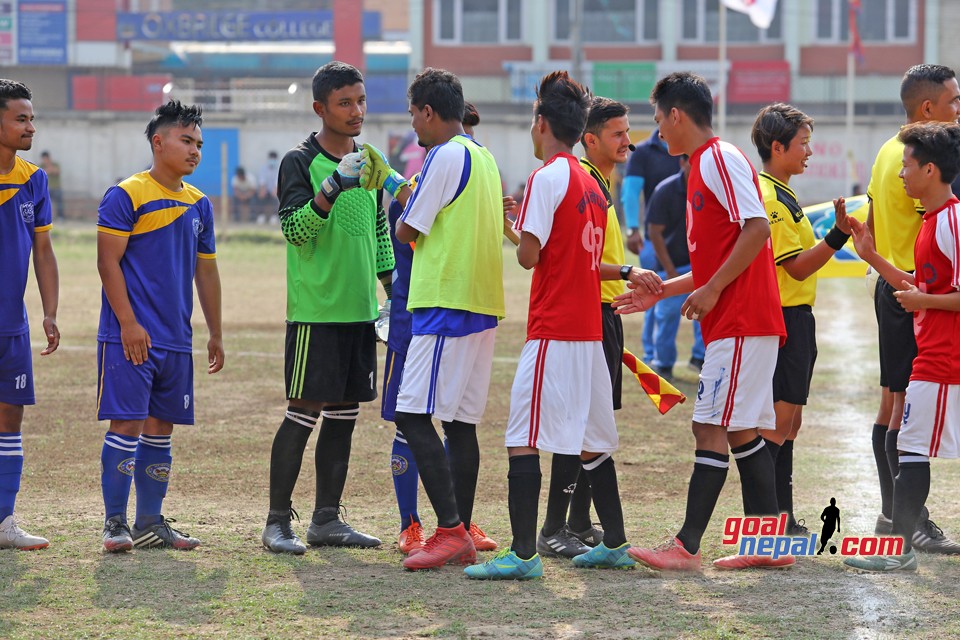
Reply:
x=790, y=233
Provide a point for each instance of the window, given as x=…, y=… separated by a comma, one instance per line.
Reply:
x=700, y=22
x=609, y=21
x=879, y=21
x=477, y=21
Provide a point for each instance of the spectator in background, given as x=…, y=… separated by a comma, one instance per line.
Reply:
x=267, y=181
x=53, y=184
x=648, y=166
x=667, y=228
x=244, y=191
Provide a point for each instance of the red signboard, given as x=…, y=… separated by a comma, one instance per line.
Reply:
x=758, y=82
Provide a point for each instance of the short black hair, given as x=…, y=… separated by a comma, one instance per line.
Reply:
x=441, y=90
x=601, y=110
x=564, y=104
x=936, y=143
x=13, y=90
x=332, y=76
x=923, y=82
x=686, y=91
x=777, y=122
x=471, y=117
x=174, y=113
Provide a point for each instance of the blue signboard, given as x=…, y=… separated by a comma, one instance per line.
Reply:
x=236, y=25
x=42, y=32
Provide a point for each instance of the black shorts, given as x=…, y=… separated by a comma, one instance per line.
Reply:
x=613, y=349
x=898, y=345
x=795, y=359
x=331, y=362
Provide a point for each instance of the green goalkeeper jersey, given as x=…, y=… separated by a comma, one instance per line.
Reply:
x=332, y=263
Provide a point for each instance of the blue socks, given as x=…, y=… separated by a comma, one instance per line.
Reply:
x=405, y=480
x=116, y=473
x=11, y=468
x=152, y=473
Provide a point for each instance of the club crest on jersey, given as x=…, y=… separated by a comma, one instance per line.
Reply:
x=26, y=211
x=126, y=467
x=399, y=465
x=697, y=201
x=159, y=472
x=197, y=227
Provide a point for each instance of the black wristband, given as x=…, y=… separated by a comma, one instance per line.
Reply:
x=835, y=238
x=387, y=286
x=331, y=187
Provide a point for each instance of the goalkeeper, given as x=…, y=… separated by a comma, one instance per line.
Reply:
x=456, y=299
x=338, y=245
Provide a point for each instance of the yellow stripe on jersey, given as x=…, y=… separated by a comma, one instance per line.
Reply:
x=157, y=220
x=207, y=256
x=7, y=194
x=143, y=189
x=113, y=232
x=45, y=227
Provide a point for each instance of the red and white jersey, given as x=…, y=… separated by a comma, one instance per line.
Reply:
x=937, y=258
x=565, y=209
x=722, y=192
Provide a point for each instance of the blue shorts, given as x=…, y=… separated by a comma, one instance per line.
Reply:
x=16, y=370
x=161, y=387
x=392, y=375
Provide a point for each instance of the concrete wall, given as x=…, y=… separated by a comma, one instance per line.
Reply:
x=94, y=152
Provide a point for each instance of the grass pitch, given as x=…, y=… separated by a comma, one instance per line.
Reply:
x=231, y=587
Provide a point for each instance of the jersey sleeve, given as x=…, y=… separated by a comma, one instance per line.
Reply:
x=115, y=214
x=545, y=190
x=730, y=176
x=444, y=175
x=207, y=244
x=385, y=257
x=784, y=234
x=300, y=220
x=42, y=212
x=948, y=240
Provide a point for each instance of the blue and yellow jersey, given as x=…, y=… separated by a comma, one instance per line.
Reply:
x=167, y=233
x=24, y=211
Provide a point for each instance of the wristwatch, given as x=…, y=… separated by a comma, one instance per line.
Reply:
x=625, y=271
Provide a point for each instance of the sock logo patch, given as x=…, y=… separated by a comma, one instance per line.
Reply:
x=399, y=465
x=126, y=467
x=159, y=472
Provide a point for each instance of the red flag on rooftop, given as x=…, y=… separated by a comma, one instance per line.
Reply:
x=856, y=46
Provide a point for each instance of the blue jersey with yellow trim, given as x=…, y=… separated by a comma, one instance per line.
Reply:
x=24, y=211
x=168, y=232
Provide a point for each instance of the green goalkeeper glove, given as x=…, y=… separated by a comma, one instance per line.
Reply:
x=347, y=176
x=376, y=172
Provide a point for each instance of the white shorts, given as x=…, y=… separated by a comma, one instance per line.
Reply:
x=561, y=399
x=448, y=378
x=736, y=383
x=931, y=420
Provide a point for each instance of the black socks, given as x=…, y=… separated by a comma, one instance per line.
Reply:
x=432, y=463
x=287, y=455
x=523, y=480
x=709, y=474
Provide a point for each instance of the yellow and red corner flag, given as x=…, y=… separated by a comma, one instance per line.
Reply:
x=662, y=394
